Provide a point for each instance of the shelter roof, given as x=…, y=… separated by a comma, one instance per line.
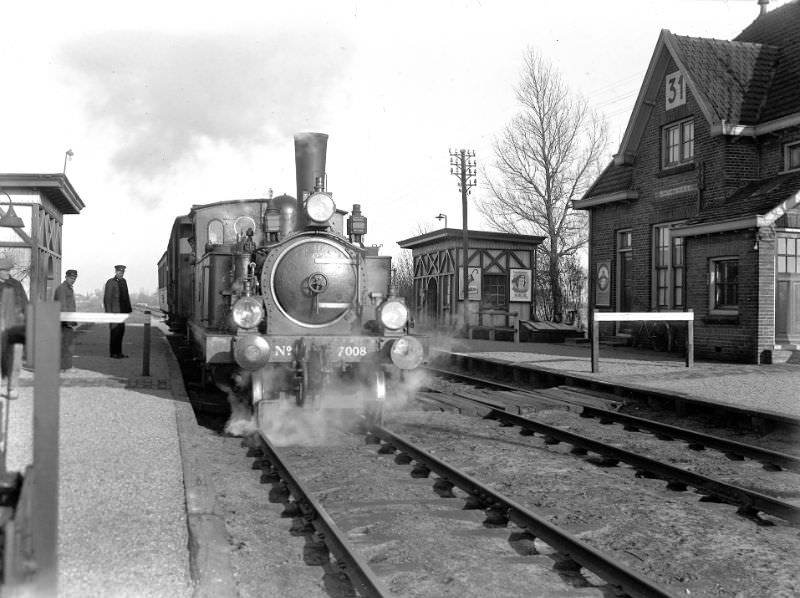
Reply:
x=56, y=187
x=455, y=236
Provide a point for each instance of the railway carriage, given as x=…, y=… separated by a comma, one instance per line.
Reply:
x=280, y=298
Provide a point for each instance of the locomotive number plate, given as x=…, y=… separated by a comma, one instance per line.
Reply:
x=349, y=351
x=338, y=349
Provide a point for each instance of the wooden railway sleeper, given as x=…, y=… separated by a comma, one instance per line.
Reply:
x=523, y=542
x=291, y=509
x=255, y=452
x=386, y=449
x=497, y=515
x=269, y=476
x=444, y=488
x=279, y=493
x=402, y=458
x=420, y=470
x=473, y=503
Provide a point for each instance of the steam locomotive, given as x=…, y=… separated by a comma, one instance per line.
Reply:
x=277, y=300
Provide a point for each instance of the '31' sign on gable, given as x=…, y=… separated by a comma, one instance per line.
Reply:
x=675, y=92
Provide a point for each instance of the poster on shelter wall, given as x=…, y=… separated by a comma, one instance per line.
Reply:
x=474, y=276
x=602, y=294
x=520, y=281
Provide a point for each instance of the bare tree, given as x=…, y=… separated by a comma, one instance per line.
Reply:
x=403, y=275
x=403, y=267
x=547, y=156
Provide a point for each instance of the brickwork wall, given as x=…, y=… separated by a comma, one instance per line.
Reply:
x=729, y=338
x=722, y=165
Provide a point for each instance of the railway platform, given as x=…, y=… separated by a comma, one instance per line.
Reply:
x=772, y=389
x=136, y=510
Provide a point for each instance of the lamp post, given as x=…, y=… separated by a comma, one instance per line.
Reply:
x=441, y=216
x=462, y=165
x=67, y=156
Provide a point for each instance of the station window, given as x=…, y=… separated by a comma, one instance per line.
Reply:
x=494, y=290
x=724, y=285
x=788, y=255
x=668, y=267
x=678, y=143
x=792, y=156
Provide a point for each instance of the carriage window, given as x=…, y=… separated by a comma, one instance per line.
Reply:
x=215, y=233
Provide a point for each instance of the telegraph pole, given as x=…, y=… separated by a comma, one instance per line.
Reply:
x=462, y=165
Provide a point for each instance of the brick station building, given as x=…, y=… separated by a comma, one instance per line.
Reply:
x=699, y=208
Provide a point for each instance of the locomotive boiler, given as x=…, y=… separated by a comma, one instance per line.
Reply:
x=280, y=297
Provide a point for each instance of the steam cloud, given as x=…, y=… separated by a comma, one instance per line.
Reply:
x=339, y=408
x=167, y=96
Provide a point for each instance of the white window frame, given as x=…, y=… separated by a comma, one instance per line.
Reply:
x=670, y=268
x=728, y=310
x=788, y=150
x=683, y=158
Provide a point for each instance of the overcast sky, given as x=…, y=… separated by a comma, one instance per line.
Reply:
x=170, y=104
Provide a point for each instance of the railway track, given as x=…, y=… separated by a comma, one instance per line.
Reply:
x=573, y=555
x=589, y=406
x=750, y=503
x=409, y=531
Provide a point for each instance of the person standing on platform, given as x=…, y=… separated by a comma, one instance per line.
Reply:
x=117, y=301
x=13, y=303
x=65, y=295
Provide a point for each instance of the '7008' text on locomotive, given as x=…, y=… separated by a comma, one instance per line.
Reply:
x=279, y=301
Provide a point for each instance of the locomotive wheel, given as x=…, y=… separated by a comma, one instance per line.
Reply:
x=375, y=408
x=302, y=384
x=257, y=389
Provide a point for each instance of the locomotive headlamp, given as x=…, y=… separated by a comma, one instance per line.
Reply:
x=320, y=208
x=394, y=314
x=247, y=312
x=251, y=351
x=406, y=353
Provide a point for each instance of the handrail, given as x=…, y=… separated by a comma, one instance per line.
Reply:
x=93, y=317
x=639, y=316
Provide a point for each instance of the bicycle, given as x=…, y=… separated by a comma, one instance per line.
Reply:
x=653, y=335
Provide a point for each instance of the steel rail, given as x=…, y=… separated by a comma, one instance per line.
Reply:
x=723, y=445
x=728, y=447
x=750, y=501
x=604, y=566
x=356, y=569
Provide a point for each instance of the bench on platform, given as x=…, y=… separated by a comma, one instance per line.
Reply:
x=493, y=321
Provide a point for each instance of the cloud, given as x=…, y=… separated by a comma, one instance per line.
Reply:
x=165, y=97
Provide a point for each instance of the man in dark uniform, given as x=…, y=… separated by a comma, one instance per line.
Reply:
x=13, y=302
x=65, y=295
x=117, y=301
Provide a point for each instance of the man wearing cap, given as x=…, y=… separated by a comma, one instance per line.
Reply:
x=117, y=301
x=13, y=301
x=65, y=295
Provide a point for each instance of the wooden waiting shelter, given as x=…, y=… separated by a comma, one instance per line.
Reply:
x=501, y=268
x=32, y=209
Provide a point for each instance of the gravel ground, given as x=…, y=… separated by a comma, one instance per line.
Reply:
x=691, y=547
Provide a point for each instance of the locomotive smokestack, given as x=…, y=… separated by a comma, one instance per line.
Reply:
x=309, y=160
